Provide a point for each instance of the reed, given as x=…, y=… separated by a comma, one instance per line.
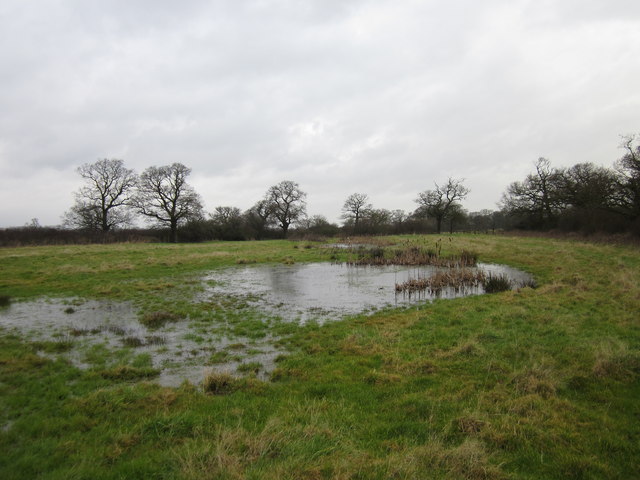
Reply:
x=496, y=283
x=411, y=256
x=456, y=278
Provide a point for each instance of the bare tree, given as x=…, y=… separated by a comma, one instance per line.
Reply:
x=287, y=203
x=257, y=219
x=355, y=206
x=443, y=201
x=102, y=204
x=164, y=196
x=629, y=169
x=586, y=185
x=537, y=197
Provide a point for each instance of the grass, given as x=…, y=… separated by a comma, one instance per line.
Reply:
x=522, y=384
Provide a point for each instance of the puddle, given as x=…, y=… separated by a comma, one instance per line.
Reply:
x=181, y=350
x=326, y=291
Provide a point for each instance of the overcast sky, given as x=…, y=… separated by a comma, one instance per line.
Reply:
x=372, y=96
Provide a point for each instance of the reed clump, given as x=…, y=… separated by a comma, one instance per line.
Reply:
x=456, y=278
x=5, y=300
x=412, y=256
x=496, y=283
x=132, y=342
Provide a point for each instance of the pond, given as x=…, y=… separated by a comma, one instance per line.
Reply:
x=325, y=291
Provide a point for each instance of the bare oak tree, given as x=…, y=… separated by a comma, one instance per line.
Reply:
x=102, y=204
x=164, y=196
x=443, y=201
x=355, y=206
x=537, y=197
x=287, y=204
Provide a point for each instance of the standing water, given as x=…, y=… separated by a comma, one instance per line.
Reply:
x=325, y=291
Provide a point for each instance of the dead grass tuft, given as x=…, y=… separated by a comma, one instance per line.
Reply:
x=538, y=380
x=357, y=344
x=613, y=359
x=219, y=383
x=381, y=378
x=471, y=461
x=470, y=348
x=158, y=318
x=127, y=373
x=469, y=425
x=231, y=452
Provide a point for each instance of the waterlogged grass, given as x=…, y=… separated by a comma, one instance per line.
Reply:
x=533, y=383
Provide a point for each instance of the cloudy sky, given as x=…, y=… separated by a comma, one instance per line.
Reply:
x=383, y=97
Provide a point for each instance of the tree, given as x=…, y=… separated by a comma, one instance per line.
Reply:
x=587, y=186
x=164, y=196
x=102, y=204
x=287, y=204
x=257, y=219
x=355, y=207
x=378, y=221
x=485, y=220
x=442, y=202
x=398, y=219
x=227, y=223
x=537, y=198
x=629, y=169
x=457, y=217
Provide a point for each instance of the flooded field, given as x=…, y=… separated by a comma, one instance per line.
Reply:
x=89, y=332
x=86, y=332
x=325, y=291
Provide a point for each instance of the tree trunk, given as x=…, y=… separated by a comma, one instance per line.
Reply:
x=174, y=232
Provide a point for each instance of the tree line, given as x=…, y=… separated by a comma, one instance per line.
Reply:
x=112, y=195
x=584, y=197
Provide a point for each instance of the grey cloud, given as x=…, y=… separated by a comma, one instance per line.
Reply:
x=372, y=96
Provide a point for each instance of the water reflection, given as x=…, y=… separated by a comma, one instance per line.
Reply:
x=323, y=291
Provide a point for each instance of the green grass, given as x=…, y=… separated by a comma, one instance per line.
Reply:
x=528, y=384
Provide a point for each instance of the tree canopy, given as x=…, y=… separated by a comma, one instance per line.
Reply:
x=102, y=203
x=165, y=196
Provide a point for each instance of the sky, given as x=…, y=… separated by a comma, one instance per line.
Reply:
x=383, y=97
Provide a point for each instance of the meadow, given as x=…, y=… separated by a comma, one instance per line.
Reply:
x=533, y=383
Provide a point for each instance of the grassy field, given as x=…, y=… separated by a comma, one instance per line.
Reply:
x=528, y=384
